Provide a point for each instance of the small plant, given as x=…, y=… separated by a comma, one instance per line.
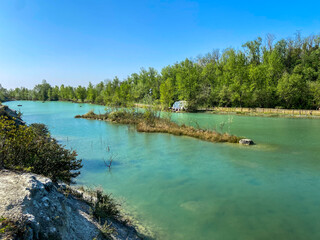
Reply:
x=107, y=230
x=104, y=205
x=19, y=113
x=10, y=230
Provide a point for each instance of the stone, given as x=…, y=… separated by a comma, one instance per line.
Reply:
x=52, y=216
x=246, y=141
x=7, y=112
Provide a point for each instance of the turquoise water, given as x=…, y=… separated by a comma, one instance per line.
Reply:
x=184, y=188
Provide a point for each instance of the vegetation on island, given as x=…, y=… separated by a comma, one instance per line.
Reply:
x=263, y=73
x=150, y=121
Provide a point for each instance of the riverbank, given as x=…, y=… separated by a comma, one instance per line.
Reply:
x=264, y=112
x=260, y=112
x=149, y=122
x=34, y=207
x=34, y=202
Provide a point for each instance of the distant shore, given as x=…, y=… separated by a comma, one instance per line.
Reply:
x=264, y=112
x=260, y=112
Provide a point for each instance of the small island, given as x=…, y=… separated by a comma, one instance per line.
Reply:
x=150, y=122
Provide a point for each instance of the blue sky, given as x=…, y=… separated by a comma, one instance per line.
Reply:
x=74, y=42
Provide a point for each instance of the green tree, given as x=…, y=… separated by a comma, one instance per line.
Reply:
x=92, y=93
x=315, y=93
x=293, y=91
x=81, y=93
x=167, y=93
x=42, y=90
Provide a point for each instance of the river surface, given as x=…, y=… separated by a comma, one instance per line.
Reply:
x=184, y=188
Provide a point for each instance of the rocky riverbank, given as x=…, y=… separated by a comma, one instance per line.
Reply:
x=33, y=207
x=11, y=114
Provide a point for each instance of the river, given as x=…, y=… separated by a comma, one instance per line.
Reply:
x=184, y=188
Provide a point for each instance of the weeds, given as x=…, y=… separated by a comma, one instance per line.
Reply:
x=107, y=230
x=11, y=230
x=104, y=205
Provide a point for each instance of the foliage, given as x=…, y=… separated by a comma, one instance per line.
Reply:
x=40, y=129
x=261, y=74
x=3, y=94
x=31, y=148
x=293, y=91
x=10, y=229
x=104, y=205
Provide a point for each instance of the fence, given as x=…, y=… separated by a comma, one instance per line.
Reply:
x=301, y=112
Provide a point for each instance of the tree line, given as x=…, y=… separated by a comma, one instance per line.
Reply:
x=263, y=73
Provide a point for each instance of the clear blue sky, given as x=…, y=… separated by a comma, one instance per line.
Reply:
x=74, y=42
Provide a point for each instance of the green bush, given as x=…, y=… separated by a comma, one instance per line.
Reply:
x=104, y=206
x=40, y=129
x=32, y=148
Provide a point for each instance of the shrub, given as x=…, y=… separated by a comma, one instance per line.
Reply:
x=32, y=148
x=40, y=129
x=104, y=205
x=90, y=114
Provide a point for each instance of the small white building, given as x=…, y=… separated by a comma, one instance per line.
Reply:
x=180, y=106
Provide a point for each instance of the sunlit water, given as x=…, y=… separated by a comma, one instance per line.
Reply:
x=184, y=188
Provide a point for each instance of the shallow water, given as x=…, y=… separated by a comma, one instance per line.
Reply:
x=184, y=188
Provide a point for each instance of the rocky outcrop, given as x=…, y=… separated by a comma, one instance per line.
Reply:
x=246, y=141
x=48, y=210
x=7, y=112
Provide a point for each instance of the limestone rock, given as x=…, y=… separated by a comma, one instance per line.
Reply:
x=6, y=111
x=48, y=212
x=246, y=141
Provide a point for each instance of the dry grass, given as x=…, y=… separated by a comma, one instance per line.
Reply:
x=150, y=123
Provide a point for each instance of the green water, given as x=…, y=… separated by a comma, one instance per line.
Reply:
x=184, y=188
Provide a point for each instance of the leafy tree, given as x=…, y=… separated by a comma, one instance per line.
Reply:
x=315, y=93
x=42, y=90
x=253, y=49
x=92, y=93
x=3, y=94
x=167, y=93
x=293, y=91
x=81, y=93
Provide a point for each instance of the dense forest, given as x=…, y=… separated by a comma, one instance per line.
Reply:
x=263, y=73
